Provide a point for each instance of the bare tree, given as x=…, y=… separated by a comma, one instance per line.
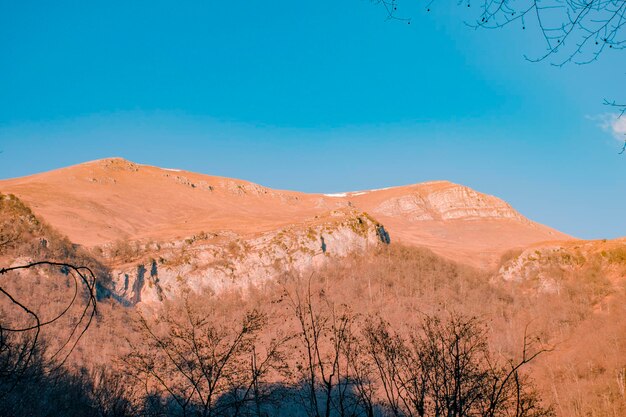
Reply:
x=400, y=373
x=445, y=369
x=110, y=393
x=199, y=368
x=572, y=31
x=21, y=326
x=326, y=366
x=361, y=375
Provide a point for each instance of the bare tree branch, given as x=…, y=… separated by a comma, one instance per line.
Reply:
x=81, y=276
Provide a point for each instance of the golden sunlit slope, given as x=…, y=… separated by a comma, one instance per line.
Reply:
x=111, y=199
x=453, y=220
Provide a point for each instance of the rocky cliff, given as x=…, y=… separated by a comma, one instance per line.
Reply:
x=443, y=200
x=215, y=262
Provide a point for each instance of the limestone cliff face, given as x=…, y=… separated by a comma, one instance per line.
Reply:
x=597, y=265
x=224, y=261
x=442, y=200
x=537, y=267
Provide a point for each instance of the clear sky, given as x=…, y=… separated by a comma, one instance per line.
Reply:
x=319, y=96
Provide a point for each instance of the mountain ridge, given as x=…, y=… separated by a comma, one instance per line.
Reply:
x=107, y=200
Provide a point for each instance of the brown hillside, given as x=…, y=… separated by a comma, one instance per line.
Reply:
x=113, y=199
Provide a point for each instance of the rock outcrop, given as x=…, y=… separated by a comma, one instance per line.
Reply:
x=548, y=268
x=227, y=261
x=442, y=200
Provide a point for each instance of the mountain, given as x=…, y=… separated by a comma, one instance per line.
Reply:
x=111, y=200
x=153, y=234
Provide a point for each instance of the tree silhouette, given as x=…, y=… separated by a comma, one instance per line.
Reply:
x=20, y=337
x=190, y=365
x=572, y=31
x=575, y=31
x=445, y=368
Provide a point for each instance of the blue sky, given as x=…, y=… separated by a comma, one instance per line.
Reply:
x=318, y=96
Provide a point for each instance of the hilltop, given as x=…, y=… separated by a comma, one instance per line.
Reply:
x=104, y=201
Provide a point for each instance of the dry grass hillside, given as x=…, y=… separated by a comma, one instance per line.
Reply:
x=111, y=200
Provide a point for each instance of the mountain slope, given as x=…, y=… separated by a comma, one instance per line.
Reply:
x=453, y=220
x=104, y=201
